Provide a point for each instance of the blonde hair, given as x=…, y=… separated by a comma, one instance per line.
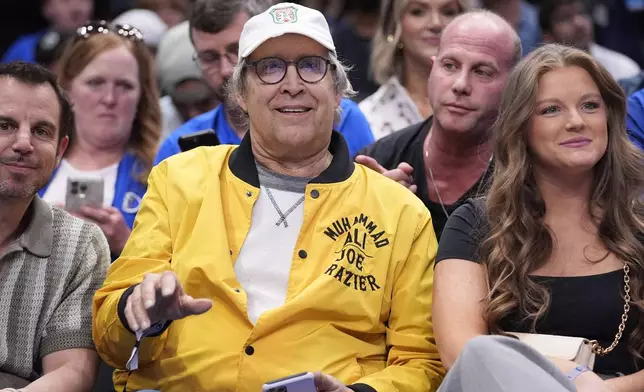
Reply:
x=386, y=54
x=520, y=241
x=146, y=127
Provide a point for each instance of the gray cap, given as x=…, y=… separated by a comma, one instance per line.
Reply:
x=174, y=58
x=147, y=22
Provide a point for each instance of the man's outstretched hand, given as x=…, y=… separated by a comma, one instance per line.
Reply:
x=161, y=297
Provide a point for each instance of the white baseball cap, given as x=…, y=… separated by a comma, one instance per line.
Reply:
x=284, y=18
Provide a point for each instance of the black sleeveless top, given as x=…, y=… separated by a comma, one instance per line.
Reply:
x=588, y=306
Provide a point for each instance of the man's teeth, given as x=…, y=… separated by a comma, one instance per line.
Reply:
x=293, y=110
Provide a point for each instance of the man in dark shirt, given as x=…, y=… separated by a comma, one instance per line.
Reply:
x=447, y=158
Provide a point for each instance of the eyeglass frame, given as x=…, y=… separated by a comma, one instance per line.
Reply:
x=327, y=63
x=103, y=27
x=232, y=58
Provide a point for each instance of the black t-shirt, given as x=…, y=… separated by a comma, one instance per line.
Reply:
x=406, y=145
x=588, y=306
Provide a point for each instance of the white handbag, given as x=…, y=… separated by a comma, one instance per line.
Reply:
x=578, y=350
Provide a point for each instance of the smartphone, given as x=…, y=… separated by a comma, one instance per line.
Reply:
x=301, y=382
x=83, y=192
x=197, y=139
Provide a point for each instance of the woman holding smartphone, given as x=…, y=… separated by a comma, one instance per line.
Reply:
x=108, y=73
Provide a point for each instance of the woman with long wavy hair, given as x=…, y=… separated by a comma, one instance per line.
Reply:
x=108, y=72
x=557, y=245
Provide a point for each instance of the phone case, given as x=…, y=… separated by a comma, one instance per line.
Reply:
x=83, y=192
x=302, y=382
x=207, y=137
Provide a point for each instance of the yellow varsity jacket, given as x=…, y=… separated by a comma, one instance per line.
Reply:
x=359, y=296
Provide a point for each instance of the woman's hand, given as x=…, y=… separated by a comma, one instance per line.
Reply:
x=111, y=222
x=591, y=382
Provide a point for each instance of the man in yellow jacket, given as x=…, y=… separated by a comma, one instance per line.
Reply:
x=251, y=263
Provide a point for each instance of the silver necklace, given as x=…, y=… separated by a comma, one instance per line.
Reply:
x=282, y=215
x=431, y=176
x=438, y=194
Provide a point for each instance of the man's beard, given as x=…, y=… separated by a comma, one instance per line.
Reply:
x=21, y=186
x=11, y=189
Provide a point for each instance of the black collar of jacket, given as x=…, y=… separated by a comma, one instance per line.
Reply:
x=242, y=162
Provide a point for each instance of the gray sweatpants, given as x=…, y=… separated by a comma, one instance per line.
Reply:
x=502, y=364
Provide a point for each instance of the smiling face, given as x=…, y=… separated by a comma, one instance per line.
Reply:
x=29, y=137
x=568, y=131
x=291, y=118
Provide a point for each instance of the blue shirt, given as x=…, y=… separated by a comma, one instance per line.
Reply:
x=24, y=49
x=529, y=30
x=633, y=84
x=353, y=126
x=635, y=118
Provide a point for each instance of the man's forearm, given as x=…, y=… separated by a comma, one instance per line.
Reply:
x=67, y=378
x=630, y=383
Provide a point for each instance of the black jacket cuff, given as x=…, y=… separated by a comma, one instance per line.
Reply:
x=361, y=388
x=121, y=307
x=155, y=330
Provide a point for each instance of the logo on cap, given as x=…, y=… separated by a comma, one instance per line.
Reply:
x=284, y=15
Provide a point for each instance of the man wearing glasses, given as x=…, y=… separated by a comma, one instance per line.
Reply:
x=288, y=256
x=215, y=27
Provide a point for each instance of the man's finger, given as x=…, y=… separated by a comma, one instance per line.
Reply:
x=138, y=310
x=193, y=307
x=397, y=175
x=370, y=163
x=169, y=284
x=413, y=188
x=324, y=382
x=406, y=168
x=149, y=289
x=129, y=316
x=320, y=381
